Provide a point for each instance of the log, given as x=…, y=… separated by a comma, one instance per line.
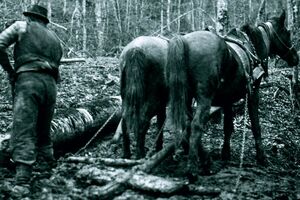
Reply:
x=71, y=60
x=72, y=128
x=155, y=184
x=113, y=181
x=119, y=185
x=201, y=190
x=83, y=127
x=66, y=60
x=139, y=181
x=118, y=162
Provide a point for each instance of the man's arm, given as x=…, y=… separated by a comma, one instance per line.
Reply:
x=4, y=61
x=7, y=38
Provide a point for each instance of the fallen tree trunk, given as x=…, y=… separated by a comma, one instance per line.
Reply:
x=114, y=181
x=119, y=162
x=72, y=128
x=120, y=184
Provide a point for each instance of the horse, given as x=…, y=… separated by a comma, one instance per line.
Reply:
x=218, y=71
x=143, y=90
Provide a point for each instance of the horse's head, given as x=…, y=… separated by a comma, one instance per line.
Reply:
x=280, y=40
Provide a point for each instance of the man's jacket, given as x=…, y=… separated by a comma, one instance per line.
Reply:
x=36, y=47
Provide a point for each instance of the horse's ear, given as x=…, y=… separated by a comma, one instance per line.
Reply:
x=282, y=18
x=247, y=28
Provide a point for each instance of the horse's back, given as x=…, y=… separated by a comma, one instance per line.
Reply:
x=210, y=61
x=154, y=48
x=206, y=54
x=204, y=43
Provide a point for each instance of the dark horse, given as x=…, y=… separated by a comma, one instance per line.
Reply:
x=143, y=90
x=216, y=72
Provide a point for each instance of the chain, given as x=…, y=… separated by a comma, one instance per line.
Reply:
x=96, y=134
x=243, y=145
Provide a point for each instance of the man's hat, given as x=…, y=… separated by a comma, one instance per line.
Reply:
x=37, y=11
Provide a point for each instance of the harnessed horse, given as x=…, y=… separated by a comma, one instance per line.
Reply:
x=218, y=71
x=143, y=90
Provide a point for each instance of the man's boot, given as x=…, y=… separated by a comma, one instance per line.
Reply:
x=43, y=166
x=22, y=180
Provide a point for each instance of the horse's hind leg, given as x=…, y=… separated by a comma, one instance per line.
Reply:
x=140, y=139
x=161, y=117
x=187, y=129
x=228, y=130
x=126, y=140
x=253, y=104
x=196, y=150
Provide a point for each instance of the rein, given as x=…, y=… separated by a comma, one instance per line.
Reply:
x=268, y=27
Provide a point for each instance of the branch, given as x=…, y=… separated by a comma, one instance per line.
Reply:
x=59, y=26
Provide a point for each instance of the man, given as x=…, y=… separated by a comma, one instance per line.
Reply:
x=37, y=54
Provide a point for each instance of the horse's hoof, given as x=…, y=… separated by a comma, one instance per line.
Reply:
x=126, y=155
x=262, y=160
x=192, y=177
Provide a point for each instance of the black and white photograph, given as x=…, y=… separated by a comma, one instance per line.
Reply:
x=149, y=99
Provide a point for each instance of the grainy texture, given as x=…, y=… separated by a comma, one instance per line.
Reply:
x=96, y=79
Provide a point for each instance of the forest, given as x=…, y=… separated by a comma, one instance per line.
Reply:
x=85, y=130
x=104, y=27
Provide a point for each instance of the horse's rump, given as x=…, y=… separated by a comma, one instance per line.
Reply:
x=142, y=65
x=132, y=86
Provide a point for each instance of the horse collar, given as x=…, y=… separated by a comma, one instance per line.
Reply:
x=268, y=27
x=266, y=36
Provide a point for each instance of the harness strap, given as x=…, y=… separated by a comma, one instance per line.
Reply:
x=266, y=35
x=228, y=39
x=244, y=60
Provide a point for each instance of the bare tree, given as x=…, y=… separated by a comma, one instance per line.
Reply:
x=168, y=15
x=84, y=34
x=64, y=7
x=222, y=17
x=49, y=9
x=162, y=17
x=178, y=14
x=291, y=13
x=261, y=12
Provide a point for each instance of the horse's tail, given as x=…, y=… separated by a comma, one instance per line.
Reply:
x=133, y=87
x=176, y=79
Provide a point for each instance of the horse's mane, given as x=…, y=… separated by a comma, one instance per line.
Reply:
x=256, y=38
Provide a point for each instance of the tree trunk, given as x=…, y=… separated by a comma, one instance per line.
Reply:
x=261, y=12
x=291, y=13
x=117, y=12
x=128, y=14
x=222, y=17
x=99, y=26
x=196, y=13
x=169, y=16
x=161, y=17
x=64, y=7
x=178, y=14
x=84, y=34
x=49, y=9
x=136, y=18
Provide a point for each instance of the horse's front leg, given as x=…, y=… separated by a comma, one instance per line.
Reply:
x=253, y=104
x=228, y=130
x=197, y=152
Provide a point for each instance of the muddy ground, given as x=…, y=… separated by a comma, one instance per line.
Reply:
x=85, y=82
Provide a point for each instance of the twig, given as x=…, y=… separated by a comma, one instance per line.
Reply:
x=59, y=26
